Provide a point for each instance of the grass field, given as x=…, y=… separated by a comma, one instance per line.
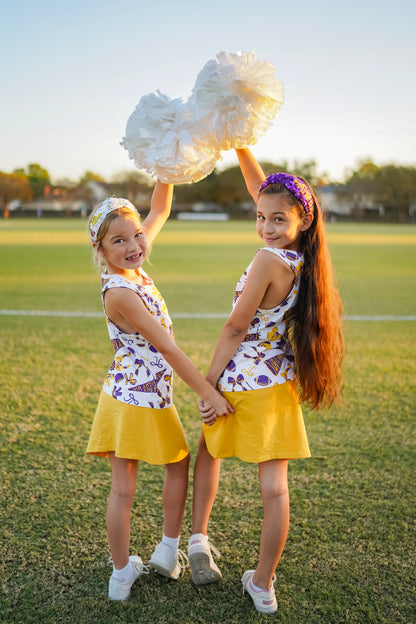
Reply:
x=350, y=556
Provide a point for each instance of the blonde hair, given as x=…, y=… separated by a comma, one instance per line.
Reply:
x=123, y=211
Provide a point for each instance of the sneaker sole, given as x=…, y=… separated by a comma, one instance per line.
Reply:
x=163, y=571
x=202, y=573
x=117, y=599
x=265, y=611
x=118, y=596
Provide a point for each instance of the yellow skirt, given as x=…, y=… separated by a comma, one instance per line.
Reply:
x=267, y=424
x=155, y=436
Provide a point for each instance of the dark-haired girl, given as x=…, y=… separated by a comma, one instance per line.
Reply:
x=281, y=346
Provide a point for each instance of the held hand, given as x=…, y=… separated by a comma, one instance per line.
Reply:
x=220, y=405
x=207, y=412
x=215, y=405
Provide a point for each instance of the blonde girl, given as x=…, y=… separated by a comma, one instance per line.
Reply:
x=136, y=419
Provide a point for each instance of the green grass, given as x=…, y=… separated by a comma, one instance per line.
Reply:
x=350, y=554
x=46, y=264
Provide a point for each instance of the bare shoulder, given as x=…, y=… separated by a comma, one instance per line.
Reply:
x=120, y=294
x=119, y=300
x=265, y=260
x=278, y=275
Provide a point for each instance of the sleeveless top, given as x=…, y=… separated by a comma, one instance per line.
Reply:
x=139, y=374
x=265, y=356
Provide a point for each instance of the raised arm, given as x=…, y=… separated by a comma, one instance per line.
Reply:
x=160, y=207
x=251, y=170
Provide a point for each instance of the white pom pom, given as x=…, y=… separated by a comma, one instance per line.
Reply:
x=160, y=139
x=236, y=98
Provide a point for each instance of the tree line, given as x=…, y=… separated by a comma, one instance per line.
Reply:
x=391, y=186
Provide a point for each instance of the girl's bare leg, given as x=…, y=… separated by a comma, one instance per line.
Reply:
x=174, y=494
x=206, y=480
x=275, y=495
x=123, y=488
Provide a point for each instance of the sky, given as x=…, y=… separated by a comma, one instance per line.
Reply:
x=72, y=73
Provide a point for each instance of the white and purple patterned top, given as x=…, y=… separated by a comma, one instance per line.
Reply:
x=139, y=375
x=265, y=357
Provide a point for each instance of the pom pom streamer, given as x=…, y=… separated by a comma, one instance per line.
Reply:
x=233, y=103
x=161, y=139
x=236, y=98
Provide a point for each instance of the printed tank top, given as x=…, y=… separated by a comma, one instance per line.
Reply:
x=139, y=374
x=265, y=357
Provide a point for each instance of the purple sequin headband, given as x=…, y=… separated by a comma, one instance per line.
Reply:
x=295, y=185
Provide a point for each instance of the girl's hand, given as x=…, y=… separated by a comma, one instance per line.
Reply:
x=215, y=405
x=207, y=412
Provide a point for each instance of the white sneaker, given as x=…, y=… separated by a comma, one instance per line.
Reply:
x=203, y=568
x=168, y=562
x=120, y=590
x=264, y=600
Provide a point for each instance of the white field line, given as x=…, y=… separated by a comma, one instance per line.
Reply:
x=190, y=315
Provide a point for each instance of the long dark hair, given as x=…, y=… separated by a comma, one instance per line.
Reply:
x=316, y=326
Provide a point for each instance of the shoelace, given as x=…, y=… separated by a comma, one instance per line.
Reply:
x=144, y=569
x=214, y=550
x=182, y=562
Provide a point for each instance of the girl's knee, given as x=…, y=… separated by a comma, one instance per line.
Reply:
x=273, y=479
x=124, y=496
x=274, y=490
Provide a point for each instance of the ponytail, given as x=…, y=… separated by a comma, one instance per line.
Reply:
x=317, y=339
x=315, y=330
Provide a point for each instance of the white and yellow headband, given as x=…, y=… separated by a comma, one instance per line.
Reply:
x=105, y=208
